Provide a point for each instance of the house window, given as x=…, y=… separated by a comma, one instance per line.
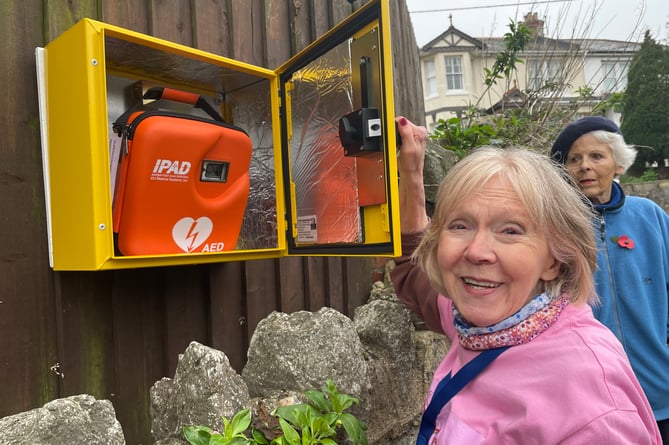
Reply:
x=542, y=72
x=454, y=79
x=430, y=78
x=614, y=76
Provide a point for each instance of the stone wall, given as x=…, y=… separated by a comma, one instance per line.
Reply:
x=657, y=191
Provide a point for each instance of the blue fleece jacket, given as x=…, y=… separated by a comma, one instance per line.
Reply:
x=633, y=285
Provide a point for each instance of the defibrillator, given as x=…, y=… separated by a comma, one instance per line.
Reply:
x=183, y=179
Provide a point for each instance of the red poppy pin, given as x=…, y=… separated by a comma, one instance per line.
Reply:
x=623, y=241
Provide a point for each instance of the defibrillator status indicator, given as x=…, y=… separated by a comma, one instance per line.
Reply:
x=214, y=171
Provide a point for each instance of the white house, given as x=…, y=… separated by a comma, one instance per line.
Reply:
x=580, y=72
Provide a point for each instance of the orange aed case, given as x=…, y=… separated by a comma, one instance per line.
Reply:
x=183, y=180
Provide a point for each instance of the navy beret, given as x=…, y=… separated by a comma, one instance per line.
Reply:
x=577, y=129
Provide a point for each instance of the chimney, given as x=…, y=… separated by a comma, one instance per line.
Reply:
x=535, y=25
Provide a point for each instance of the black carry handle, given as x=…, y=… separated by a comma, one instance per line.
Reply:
x=193, y=99
x=158, y=93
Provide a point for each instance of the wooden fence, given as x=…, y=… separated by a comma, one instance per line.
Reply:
x=113, y=334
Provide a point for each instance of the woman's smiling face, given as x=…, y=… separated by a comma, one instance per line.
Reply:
x=492, y=256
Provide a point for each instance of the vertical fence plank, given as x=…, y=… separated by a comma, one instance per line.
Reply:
x=320, y=17
x=316, y=285
x=277, y=32
x=294, y=296
x=340, y=9
x=334, y=282
x=211, y=26
x=130, y=14
x=357, y=282
x=171, y=20
x=261, y=291
x=27, y=323
x=62, y=15
x=187, y=306
x=300, y=24
x=228, y=312
x=139, y=349
x=247, y=33
x=85, y=334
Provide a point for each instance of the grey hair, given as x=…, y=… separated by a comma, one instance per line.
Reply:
x=623, y=153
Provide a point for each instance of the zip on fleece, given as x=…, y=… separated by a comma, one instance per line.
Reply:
x=602, y=235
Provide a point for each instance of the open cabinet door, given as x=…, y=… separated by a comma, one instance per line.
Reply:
x=338, y=137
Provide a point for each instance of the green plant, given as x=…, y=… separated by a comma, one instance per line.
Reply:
x=648, y=175
x=507, y=61
x=514, y=43
x=314, y=423
x=612, y=101
x=461, y=139
x=233, y=433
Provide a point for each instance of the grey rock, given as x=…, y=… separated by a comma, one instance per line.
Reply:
x=205, y=389
x=74, y=420
x=380, y=291
x=302, y=350
x=385, y=329
x=372, y=322
x=438, y=161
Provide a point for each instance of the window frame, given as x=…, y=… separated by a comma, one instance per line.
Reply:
x=454, y=75
x=614, y=79
x=541, y=71
x=430, y=78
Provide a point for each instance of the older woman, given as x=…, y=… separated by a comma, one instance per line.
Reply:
x=511, y=251
x=632, y=277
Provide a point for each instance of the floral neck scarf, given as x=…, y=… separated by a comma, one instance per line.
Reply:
x=521, y=327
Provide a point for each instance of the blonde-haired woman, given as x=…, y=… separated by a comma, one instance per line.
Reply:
x=511, y=251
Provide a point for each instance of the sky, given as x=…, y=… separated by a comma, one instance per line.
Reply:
x=594, y=19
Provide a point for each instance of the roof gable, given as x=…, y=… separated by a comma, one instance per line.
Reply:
x=453, y=38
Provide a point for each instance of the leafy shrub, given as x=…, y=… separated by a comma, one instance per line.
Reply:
x=453, y=135
x=648, y=175
x=313, y=423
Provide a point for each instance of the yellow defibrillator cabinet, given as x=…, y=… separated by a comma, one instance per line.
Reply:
x=311, y=157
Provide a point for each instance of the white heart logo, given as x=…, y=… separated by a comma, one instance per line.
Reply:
x=190, y=233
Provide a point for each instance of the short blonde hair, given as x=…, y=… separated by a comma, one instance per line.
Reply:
x=552, y=200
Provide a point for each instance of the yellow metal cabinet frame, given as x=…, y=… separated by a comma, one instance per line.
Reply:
x=84, y=77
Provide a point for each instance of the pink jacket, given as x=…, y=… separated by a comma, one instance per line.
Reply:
x=572, y=384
